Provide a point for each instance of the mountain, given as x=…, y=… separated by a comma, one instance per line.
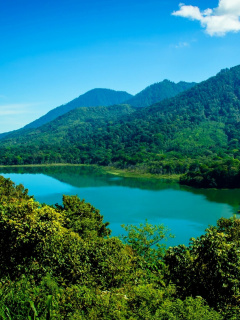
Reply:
x=92, y=98
x=107, y=97
x=82, y=120
x=201, y=123
x=158, y=92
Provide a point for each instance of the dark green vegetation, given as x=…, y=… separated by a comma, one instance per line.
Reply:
x=83, y=121
x=217, y=174
x=158, y=92
x=200, y=125
x=209, y=266
x=58, y=262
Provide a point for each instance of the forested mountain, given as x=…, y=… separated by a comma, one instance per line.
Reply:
x=107, y=97
x=201, y=122
x=92, y=98
x=64, y=130
x=158, y=92
x=82, y=120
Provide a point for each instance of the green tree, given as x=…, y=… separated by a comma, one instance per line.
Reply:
x=148, y=242
x=210, y=266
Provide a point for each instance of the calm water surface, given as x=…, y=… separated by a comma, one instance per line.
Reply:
x=186, y=211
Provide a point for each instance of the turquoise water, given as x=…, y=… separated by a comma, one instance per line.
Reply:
x=187, y=212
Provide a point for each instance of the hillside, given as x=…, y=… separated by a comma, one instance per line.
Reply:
x=63, y=131
x=202, y=122
x=83, y=120
x=92, y=98
x=107, y=97
x=158, y=92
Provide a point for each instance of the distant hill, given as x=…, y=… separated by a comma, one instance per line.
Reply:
x=92, y=98
x=72, y=124
x=158, y=92
x=106, y=97
x=200, y=123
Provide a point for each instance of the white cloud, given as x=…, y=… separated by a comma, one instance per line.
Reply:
x=217, y=21
x=182, y=45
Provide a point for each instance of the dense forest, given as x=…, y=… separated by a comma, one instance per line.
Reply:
x=216, y=174
x=158, y=92
x=200, y=125
x=59, y=262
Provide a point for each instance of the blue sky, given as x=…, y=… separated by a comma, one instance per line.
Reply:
x=53, y=51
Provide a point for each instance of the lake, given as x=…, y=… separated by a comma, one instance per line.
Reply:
x=186, y=211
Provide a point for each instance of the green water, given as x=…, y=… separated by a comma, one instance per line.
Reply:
x=186, y=211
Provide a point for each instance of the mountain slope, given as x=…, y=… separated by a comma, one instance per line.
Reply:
x=201, y=122
x=92, y=98
x=83, y=120
x=158, y=92
x=107, y=97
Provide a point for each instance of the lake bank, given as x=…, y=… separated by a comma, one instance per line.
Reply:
x=130, y=200
x=128, y=173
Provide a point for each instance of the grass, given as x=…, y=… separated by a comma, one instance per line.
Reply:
x=139, y=174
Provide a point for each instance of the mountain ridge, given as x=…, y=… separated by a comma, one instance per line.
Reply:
x=107, y=97
x=202, y=122
x=159, y=91
x=92, y=98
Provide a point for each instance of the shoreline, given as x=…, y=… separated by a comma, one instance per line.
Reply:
x=134, y=174
x=107, y=170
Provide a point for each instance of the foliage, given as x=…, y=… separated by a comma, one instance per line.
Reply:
x=188, y=309
x=38, y=239
x=158, y=92
x=58, y=262
x=23, y=299
x=146, y=241
x=224, y=174
x=210, y=266
x=83, y=218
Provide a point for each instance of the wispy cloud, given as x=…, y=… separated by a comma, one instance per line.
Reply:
x=217, y=21
x=17, y=108
x=15, y=115
x=182, y=45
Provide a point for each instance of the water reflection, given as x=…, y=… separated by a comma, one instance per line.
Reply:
x=186, y=211
x=89, y=177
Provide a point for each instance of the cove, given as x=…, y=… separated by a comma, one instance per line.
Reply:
x=186, y=211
